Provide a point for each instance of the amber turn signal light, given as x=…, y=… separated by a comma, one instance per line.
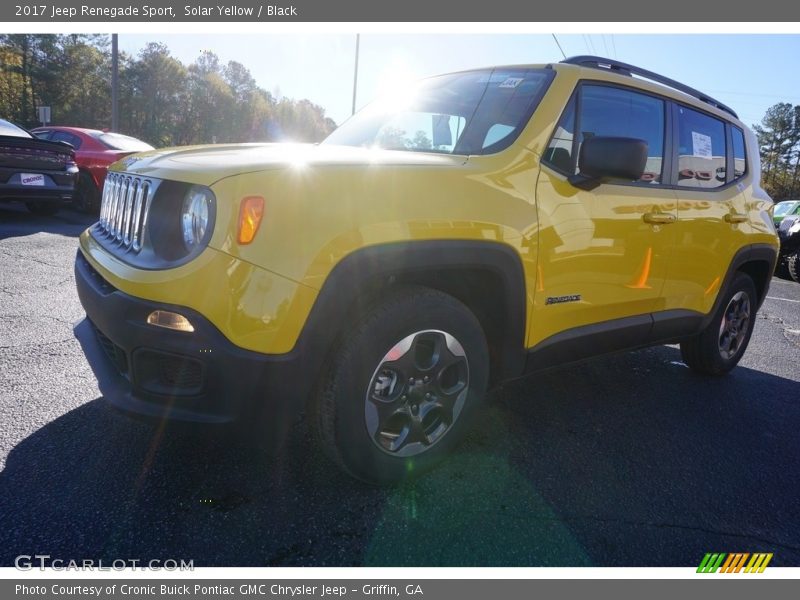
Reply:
x=169, y=320
x=250, y=213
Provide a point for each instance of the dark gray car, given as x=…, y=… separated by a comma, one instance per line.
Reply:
x=38, y=172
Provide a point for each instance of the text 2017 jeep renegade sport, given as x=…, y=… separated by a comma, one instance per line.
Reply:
x=482, y=225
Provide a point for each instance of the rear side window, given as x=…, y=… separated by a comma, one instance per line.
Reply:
x=739, y=154
x=63, y=136
x=701, y=149
x=614, y=112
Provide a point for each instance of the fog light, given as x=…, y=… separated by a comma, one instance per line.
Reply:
x=170, y=320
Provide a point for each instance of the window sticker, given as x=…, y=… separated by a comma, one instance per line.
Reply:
x=701, y=145
x=511, y=82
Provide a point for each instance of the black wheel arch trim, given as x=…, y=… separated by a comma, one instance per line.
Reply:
x=383, y=264
x=753, y=253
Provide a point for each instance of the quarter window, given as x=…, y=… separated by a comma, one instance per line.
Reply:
x=559, y=151
x=701, y=150
x=739, y=155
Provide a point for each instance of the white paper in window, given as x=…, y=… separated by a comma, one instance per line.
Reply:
x=701, y=145
x=511, y=82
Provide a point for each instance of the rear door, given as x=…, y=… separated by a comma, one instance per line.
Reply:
x=709, y=160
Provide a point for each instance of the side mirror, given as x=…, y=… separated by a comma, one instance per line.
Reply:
x=602, y=158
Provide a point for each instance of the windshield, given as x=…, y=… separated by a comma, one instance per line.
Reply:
x=117, y=141
x=784, y=208
x=12, y=130
x=476, y=112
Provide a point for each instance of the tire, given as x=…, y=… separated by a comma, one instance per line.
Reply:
x=720, y=346
x=402, y=387
x=782, y=269
x=87, y=196
x=41, y=208
x=793, y=266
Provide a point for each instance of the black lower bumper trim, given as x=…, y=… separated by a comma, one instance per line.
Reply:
x=156, y=372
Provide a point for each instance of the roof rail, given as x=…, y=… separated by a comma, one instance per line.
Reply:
x=608, y=64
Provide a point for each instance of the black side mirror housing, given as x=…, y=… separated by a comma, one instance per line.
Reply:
x=603, y=158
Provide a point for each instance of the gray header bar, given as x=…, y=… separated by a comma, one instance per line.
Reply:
x=733, y=587
x=175, y=11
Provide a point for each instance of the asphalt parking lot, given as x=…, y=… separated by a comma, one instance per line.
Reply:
x=629, y=460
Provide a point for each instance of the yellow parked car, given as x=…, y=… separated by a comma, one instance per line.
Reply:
x=478, y=226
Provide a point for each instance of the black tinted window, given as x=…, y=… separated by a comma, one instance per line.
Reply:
x=614, y=112
x=608, y=111
x=63, y=136
x=701, y=149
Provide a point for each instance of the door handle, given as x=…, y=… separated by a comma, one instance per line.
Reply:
x=734, y=218
x=658, y=218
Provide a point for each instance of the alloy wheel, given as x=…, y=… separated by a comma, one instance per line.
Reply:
x=734, y=325
x=416, y=393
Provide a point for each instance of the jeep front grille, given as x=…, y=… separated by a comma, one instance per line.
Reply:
x=123, y=213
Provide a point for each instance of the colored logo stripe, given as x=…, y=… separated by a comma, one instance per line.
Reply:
x=734, y=562
x=711, y=563
x=758, y=563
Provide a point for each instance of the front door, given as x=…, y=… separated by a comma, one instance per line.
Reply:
x=604, y=253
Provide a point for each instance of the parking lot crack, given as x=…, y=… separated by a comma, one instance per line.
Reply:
x=37, y=344
x=791, y=334
x=36, y=260
x=28, y=317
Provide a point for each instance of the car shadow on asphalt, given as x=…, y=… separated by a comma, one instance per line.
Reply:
x=16, y=221
x=628, y=460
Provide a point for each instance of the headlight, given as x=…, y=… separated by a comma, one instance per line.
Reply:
x=795, y=227
x=194, y=216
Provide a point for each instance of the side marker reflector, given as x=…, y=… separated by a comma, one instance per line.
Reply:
x=250, y=213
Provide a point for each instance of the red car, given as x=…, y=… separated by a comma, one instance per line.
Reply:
x=94, y=151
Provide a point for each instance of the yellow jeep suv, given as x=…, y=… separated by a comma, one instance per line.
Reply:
x=472, y=228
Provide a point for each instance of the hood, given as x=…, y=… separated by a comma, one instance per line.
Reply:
x=205, y=165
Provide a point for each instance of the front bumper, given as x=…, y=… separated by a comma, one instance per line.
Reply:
x=156, y=372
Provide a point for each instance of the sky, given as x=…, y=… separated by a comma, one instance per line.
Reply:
x=749, y=73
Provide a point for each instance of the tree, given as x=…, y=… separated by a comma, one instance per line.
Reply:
x=162, y=101
x=779, y=145
x=159, y=93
